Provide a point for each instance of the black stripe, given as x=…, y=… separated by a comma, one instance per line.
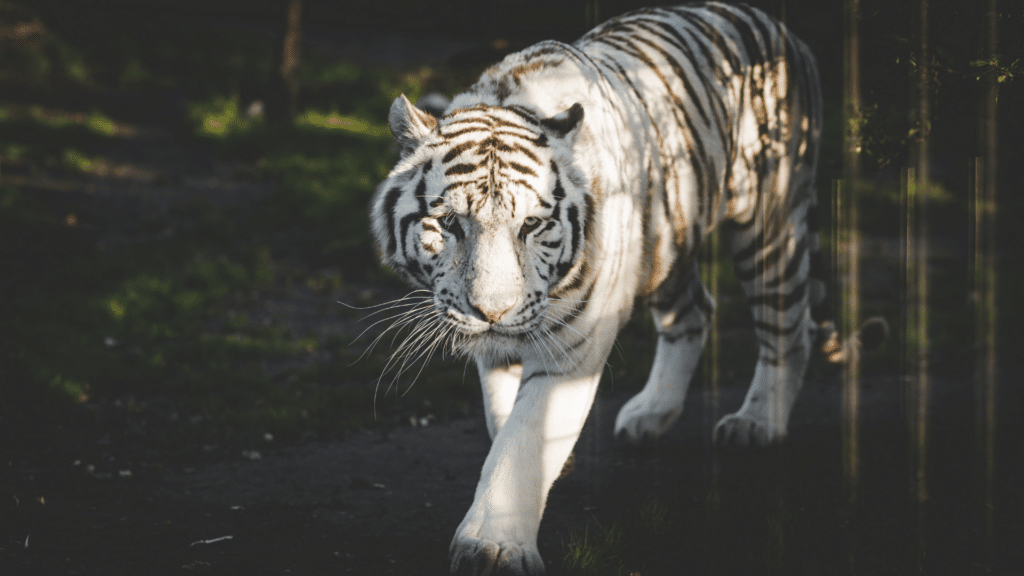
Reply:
x=778, y=331
x=523, y=113
x=525, y=151
x=458, y=169
x=778, y=361
x=558, y=192
x=390, y=201
x=502, y=122
x=791, y=268
x=714, y=36
x=785, y=300
x=768, y=260
x=485, y=120
x=756, y=17
x=408, y=219
x=572, y=214
x=707, y=63
x=750, y=47
x=520, y=168
x=450, y=135
x=451, y=225
x=527, y=185
x=688, y=333
x=462, y=184
x=458, y=149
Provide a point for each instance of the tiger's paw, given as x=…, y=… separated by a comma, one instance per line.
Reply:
x=744, y=431
x=646, y=417
x=481, y=557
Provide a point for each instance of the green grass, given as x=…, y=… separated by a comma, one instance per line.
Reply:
x=617, y=549
x=173, y=317
x=728, y=528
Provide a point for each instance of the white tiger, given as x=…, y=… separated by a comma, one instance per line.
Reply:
x=572, y=179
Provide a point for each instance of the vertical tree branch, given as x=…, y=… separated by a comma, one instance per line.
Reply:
x=282, y=104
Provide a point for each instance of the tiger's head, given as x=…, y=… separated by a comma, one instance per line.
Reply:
x=488, y=211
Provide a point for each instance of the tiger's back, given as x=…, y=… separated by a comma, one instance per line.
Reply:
x=701, y=114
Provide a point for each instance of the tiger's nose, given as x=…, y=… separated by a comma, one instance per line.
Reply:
x=493, y=307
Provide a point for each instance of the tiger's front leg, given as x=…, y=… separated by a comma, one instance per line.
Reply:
x=499, y=532
x=499, y=382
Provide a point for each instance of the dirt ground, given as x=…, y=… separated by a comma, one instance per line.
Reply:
x=83, y=493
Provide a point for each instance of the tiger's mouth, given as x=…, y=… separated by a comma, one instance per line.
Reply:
x=469, y=326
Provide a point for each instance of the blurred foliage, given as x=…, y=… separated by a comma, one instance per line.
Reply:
x=997, y=65
x=43, y=136
x=221, y=117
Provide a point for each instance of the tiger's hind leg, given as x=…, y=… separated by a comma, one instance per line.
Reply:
x=682, y=317
x=773, y=265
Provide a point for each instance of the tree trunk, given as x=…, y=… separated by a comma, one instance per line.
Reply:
x=282, y=103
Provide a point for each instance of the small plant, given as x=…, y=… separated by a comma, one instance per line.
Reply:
x=999, y=66
x=597, y=555
x=221, y=117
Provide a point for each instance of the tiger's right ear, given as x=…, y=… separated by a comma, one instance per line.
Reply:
x=565, y=123
x=409, y=124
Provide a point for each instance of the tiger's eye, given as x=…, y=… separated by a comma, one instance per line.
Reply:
x=530, y=224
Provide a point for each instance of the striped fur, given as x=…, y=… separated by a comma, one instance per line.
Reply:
x=572, y=179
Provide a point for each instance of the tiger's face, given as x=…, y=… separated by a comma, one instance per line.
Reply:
x=487, y=211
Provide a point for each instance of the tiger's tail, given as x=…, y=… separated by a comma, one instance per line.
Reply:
x=868, y=337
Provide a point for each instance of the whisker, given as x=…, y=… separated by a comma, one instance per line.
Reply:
x=403, y=304
x=553, y=339
x=424, y=352
x=537, y=343
x=403, y=319
x=371, y=307
x=421, y=306
x=427, y=355
x=564, y=324
x=413, y=350
x=425, y=312
x=398, y=353
x=424, y=324
x=556, y=299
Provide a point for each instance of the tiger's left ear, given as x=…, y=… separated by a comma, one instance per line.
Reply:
x=409, y=124
x=565, y=123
